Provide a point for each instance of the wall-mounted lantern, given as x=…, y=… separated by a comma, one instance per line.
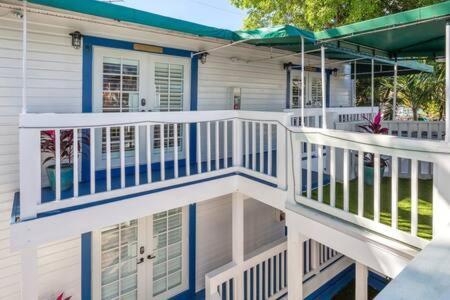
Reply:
x=76, y=39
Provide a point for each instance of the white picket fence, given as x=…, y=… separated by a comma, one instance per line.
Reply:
x=263, y=275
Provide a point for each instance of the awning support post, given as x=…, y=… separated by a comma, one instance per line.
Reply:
x=394, y=98
x=372, y=84
x=354, y=83
x=303, y=81
x=324, y=89
x=447, y=82
x=24, y=58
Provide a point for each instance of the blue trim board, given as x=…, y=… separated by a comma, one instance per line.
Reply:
x=86, y=266
x=288, y=88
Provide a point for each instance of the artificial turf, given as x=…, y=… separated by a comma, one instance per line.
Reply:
x=404, y=202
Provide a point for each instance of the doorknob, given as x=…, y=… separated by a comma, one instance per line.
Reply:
x=140, y=261
x=150, y=256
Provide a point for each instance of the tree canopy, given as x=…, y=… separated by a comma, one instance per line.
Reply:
x=320, y=14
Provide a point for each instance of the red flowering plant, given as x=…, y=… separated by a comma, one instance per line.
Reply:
x=61, y=297
x=48, y=145
x=374, y=127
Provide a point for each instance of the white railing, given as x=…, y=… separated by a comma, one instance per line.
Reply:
x=263, y=275
x=313, y=116
x=427, y=130
x=118, y=154
x=346, y=153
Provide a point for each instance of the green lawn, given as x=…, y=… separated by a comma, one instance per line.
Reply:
x=404, y=203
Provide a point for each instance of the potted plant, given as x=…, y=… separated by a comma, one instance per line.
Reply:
x=66, y=151
x=61, y=297
x=374, y=127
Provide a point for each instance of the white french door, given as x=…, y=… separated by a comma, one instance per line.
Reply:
x=132, y=81
x=144, y=258
x=313, y=89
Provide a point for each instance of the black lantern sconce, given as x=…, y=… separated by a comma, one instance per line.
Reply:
x=76, y=39
x=203, y=57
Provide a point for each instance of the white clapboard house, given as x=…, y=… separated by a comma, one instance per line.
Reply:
x=146, y=157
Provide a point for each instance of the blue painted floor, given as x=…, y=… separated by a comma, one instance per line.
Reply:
x=48, y=194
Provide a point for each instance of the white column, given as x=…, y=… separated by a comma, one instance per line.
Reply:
x=303, y=82
x=24, y=58
x=238, y=238
x=447, y=82
x=324, y=89
x=354, y=81
x=361, y=277
x=295, y=266
x=29, y=288
x=372, y=87
x=394, y=98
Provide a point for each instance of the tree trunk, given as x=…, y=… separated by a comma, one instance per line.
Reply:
x=414, y=110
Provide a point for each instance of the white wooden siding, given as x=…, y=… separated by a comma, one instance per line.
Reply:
x=214, y=236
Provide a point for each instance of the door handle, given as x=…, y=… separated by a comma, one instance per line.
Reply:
x=140, y=261
x=150, y=256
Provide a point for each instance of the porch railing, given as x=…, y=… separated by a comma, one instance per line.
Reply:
x=362, y=181
x=263, y=275
x=117, y=154
x=313, y=116
x=427, y=130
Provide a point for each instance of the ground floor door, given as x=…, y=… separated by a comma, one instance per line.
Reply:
x=144, y=258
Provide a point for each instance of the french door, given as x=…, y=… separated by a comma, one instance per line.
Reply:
x=313, y=89
x=144, y=258
x=132, y=81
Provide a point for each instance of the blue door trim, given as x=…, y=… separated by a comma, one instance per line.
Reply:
x=87, y=103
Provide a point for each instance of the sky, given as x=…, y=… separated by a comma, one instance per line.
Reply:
x=217, y=13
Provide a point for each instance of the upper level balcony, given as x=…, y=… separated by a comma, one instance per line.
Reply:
x=390, y=185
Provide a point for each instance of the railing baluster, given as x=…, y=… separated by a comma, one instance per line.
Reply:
x=260, y=280
x=227, y=289
x=187, y=149
x=247, y=145
x=346, y=179
x=108, y=158
x=414, y=196
x=199, y=148
x=248, y=279
x=225, y=144
x=175, y=150
x=269, y=149
x=122, y=156
x=217, y=147
x=162, y=152
x=376, y=188
x=308, y=170
x=320, y=172
x=92, y=159
x=261, y=147
x=332, y=176
x=360, y=183
x=58, y=164
x=136, y=156
x=208, y=146
x=149, y=153
x=75, y=162
x=254, y=146
x=394, y=192
x=254, y=282
x=266, y=279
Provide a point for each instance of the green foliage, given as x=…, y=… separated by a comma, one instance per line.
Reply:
x=318, y=15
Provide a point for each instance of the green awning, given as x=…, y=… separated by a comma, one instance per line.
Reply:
x=126, y=14
x=415, y=33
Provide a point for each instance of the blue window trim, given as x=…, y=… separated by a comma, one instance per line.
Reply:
x=86, y=238
x=288, y=84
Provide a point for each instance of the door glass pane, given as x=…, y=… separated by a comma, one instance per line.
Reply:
x=119, y=258
x=167, y=247
x=169, y=83
x=296, y=91
x=316, y=92
x=120, y=94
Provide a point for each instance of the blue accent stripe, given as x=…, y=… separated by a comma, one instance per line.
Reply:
x=327, y=89
x=288, y=88
x=86, y=266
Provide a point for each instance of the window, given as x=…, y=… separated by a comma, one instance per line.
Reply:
x=168, y=249
x=316, y=92
x=120, y=94
x=119, y=246
x=169, y=83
